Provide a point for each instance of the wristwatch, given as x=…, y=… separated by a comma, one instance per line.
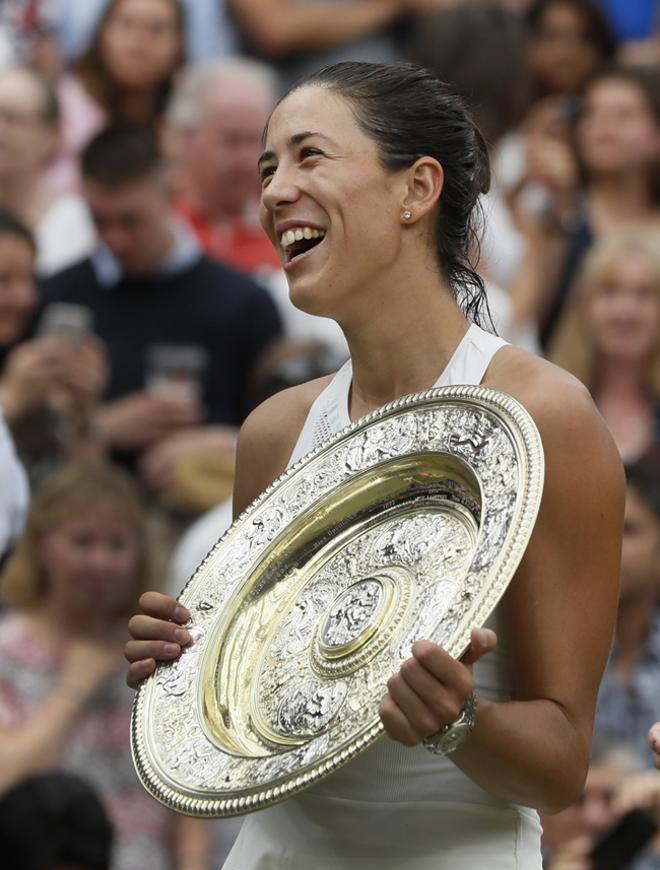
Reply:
x=454, y=734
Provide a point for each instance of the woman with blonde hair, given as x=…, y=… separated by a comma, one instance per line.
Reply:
x=82, y=562
x=610, y=336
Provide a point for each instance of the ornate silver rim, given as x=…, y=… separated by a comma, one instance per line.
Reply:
x=524, y=438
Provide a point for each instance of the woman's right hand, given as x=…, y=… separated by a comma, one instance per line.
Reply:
x=157, y=635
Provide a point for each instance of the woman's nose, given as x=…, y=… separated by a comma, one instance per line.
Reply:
x=280, y=190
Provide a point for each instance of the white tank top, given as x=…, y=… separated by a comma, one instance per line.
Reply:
x=396, y=808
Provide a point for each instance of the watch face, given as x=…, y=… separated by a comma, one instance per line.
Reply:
x=458, y=734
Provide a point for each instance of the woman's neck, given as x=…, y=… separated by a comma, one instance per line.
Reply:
x=136, y=105
x=404, y=340
x=633, y=625
x=23, y=194
x=61, y=621
x=622, y=379
x=613, y=199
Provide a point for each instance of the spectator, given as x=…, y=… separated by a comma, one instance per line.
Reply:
x=610, y=336
x=182, y=332
x=49, y=385
x=76, y=572
x=125, y=75
x=302, y=36
x=209, y=32
x=27, y=35
x=629, y=697
x=612, y=788
x=74, y=829
x=611, y=181
x=29, y=130
x=568, y=41
x=215, y=125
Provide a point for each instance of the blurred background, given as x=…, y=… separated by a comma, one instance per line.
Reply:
x=143, y=313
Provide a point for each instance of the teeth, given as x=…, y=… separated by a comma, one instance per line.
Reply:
x=288, y=237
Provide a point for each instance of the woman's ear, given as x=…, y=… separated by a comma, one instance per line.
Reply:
x=424, y=186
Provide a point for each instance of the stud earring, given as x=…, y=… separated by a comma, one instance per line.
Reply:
x=407, y=215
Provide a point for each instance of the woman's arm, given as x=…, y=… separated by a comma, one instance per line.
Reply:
x=559, y=611
x=37, y=744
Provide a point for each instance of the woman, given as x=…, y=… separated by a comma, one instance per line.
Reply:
x=29, y=139
x=50, y=385
x=125, y=75
x=76, y=572
x=384, y=167
x=610, y=336
x=611, y=180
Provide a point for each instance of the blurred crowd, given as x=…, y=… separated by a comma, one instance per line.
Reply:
x=143, y=313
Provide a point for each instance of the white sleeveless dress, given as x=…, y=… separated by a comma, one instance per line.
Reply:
x=396, y=808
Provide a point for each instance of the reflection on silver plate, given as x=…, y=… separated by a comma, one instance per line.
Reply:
x=408, y=524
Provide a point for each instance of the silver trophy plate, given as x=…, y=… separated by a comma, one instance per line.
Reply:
x=408, y=524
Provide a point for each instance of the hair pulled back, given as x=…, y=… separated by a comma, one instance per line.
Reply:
x=409, y=113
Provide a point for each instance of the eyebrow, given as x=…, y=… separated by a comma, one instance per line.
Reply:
x=296, y=139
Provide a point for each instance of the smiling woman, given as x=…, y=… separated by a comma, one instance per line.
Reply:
x=371, y=178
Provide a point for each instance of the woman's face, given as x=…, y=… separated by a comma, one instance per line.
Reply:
x=617, y=130
x=561, y=53
x=623, y=315
x=640, y=551
x=141, y=43
x=26, y=140
x=18, y=295
x=323, y=183
x=90, y=561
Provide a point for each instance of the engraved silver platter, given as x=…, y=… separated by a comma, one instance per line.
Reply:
x=408, y=524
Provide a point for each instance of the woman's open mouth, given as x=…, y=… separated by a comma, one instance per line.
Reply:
x=298, y=242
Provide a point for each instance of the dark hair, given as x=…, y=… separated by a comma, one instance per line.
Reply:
x=479, y=49
x=51, y=819
x=409, y=113
x=644, y=477
x=122, y=154
x=10, y=225
x=599, y=30
x=96, y=79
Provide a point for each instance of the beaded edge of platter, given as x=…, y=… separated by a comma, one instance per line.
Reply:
x=469, y=611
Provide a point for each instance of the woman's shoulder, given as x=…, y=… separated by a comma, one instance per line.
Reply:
x=268, y=436
x=574, y=435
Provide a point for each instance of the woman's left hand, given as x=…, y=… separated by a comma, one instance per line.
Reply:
x=431, y=689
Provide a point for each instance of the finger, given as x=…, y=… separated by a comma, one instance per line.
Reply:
x=139, y=671
x=160, y=651
x=422, y=721
x=145, y=628
x=395, y=723
x=443, y=703
x=163, y=607
x=437, y=661
x=482, y=642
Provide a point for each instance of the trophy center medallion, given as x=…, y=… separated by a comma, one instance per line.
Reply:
x=353, y=618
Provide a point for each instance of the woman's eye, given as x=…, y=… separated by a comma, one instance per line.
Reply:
x=266, y=173
x=309, y=152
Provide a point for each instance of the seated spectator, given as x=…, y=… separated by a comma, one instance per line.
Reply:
x=567, y=42
x=303, y=36
x=78, y=569
x=214, y=126
x=29, y=132
x=614, y=786
x=609, y=182
x=124, y=76
x=610, y=336
x=49, y=385
x=74, y=829
x=27, y=35
x=629, y=697
x=182, y=332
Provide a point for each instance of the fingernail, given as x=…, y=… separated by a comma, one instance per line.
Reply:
x=171, y=649
x=182, y=635
x=181, y=614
